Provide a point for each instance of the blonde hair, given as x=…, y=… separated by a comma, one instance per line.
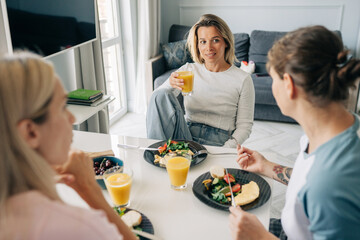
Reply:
x=208, y=20
x=26, y=88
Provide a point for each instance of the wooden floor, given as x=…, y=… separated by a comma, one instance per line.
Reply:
x=278, y=142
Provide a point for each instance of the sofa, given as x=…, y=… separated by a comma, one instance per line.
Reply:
x=247, y=48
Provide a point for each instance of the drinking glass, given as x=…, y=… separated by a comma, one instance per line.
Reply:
x=118, y=182
x=188, y=77
x=177, y=166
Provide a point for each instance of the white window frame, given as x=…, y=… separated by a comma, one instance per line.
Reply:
x=117, y=40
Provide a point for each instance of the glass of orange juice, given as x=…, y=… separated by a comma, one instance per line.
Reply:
x=177, y=166
x=118, y=183
x=188, y=77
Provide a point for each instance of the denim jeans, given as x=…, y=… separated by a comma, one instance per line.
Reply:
x=165, y=119
x=208, y=135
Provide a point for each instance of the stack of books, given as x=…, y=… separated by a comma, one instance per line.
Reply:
x=85, y=97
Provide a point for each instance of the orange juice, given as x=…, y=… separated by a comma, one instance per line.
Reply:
x=188, y=78
x=118, y=186
x=178, y=168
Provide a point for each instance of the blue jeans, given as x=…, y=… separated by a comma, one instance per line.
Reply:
x=165, y=119
x=208, y=135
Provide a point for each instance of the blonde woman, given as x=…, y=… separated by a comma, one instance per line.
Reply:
x=220, y=110
x=311, y=78
x=36, y=133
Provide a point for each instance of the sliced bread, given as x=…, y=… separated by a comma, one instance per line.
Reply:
x=217, y=172
x=132, y=218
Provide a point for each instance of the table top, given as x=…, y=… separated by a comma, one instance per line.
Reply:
x=174, y=214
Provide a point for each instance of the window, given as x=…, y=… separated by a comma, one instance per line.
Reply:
x=113, y=56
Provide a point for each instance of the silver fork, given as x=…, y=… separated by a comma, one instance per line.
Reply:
x=204, y=151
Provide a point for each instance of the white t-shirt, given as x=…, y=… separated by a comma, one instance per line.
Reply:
x=222, y=100
x=36, y=217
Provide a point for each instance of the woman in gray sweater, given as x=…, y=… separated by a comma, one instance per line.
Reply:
x=220, y=111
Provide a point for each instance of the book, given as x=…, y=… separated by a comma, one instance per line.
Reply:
x=104, y=98
x=75, y=100
x=85, y=94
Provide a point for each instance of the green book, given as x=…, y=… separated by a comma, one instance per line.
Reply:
x=84, y=94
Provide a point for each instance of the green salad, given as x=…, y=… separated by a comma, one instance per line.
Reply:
x=220, y=190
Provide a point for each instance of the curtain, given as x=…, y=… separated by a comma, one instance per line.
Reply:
x=90, y=75
x=148, y=25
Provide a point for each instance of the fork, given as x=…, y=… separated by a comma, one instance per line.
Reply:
x=204, y=151
x=127, y=146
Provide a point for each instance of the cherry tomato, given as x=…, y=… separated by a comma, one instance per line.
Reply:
x=162, y=148
x=236, y=188
x=174, y=142
x=229, y=178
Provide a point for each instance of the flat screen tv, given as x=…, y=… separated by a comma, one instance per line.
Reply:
x=50, y=26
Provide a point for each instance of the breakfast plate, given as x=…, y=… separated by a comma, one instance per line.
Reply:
x=149, y=156
x=242, y=177
x=145, y=225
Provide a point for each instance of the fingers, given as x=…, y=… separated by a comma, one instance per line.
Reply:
x=243, y=160
x=242, y=149
x=64, y=178
x=176, y=82
x=236, y=210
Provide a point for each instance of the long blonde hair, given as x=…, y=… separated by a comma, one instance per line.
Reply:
x=208, y=20
x=26, y=88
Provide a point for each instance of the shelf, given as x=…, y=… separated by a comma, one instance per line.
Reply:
x=82, y=113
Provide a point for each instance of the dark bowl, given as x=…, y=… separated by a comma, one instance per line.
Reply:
x=115, y=161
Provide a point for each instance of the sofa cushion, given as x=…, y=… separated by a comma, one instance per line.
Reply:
x=263, y=92
x=176, y=54
x=242, y=43
x=270, y=113
x=260, y=44
x=178, y=32
x=162, y=78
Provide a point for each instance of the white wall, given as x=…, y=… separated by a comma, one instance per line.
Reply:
x=170, y=14
x=275, y=15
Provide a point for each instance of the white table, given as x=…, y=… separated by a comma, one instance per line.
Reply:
x=174, y=214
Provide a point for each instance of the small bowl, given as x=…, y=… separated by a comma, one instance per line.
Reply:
x=114, y=160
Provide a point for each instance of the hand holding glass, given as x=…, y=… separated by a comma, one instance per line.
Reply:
x=118, y=183
x=188, y=77
x=177, y=166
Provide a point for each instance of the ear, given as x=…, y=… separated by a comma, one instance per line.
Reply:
x=290, y=87
x=29, y=132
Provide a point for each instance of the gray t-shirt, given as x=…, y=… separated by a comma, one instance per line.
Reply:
x=222, y=100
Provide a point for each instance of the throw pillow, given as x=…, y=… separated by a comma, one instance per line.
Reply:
x=176, y=54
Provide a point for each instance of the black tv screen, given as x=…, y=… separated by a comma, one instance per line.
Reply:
x=49, y=26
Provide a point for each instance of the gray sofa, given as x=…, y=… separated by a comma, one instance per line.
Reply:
x=253, y=47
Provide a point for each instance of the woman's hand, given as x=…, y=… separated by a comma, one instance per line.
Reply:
x=244, y=225
x=176, y=82
x=77, y=172
x=252, y=161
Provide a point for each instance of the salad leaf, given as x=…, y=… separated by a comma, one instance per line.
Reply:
x=171, y=145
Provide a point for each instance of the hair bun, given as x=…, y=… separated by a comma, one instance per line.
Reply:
x=342, y=57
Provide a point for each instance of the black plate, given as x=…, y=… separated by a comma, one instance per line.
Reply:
x=149, y=156
x=145, y=225
x=241, y=177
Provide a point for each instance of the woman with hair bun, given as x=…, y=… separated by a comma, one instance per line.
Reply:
x=311, y=78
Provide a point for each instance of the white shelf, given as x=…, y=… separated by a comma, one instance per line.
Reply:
x=82, y=113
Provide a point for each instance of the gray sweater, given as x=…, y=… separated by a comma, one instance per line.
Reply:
x=223, y=100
